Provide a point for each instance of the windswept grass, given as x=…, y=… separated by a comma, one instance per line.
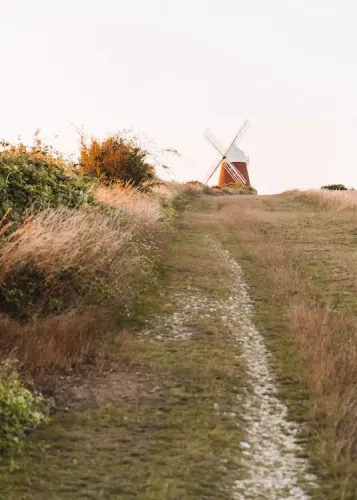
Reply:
x=67, y=277
x=59, y=239
x=328, y=200
x=145, y=207
x=304, y=281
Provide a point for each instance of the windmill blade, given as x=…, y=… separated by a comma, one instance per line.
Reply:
x=239, y=135
x=234, y=173
x=211, y=171
x=212, y=139
x=169, y=172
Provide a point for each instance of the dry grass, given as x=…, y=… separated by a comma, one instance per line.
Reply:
x=328, y=200
x=62, y=238
x=325, y=337
x=145, y=207
x=48, y=345
x=112, y=250
x=93, y=243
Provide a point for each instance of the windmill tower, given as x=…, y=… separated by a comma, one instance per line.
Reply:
x=232, y=160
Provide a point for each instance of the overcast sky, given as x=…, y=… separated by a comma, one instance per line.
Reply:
x=172, y=68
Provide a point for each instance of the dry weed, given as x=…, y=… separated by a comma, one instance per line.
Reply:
x=61, y=238
x=52, y=344
x=329, y=200
x=326, y=339
x=145, y=207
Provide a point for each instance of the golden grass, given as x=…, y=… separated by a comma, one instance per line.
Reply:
x=327, y=199
x=48, y=345
x=112, y=247
x=145, y=207
x=326, y=338
x=61, y=238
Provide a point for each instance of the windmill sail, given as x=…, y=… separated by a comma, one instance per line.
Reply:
x=233, y=160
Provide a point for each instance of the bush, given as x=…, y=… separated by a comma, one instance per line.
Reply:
x=335, y=187
x=235, y=189
x=116, y=158
x=20, y=410
x=35, y=177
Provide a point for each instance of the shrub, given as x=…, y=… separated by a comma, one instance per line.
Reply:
x=240, y=189
x=115, y=158
x=20, y=410
x=35, y=177
x=209, y=191
x=335, y=187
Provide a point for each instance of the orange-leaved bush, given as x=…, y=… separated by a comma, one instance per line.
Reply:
x=116, y=158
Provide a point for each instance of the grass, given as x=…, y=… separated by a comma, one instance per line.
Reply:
x=69, y=277
x=329, y=200
x=150, y=431
x=300, y=262
x=145, y=208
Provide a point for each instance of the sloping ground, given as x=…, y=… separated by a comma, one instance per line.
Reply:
x=196, y=406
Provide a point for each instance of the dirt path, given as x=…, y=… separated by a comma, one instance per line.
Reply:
x=192, y=410
x=270, y=451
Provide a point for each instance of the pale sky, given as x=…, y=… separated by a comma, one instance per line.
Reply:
x=172, y=68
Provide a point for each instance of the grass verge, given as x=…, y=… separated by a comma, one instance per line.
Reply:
x=302, y=279
x=150, y=429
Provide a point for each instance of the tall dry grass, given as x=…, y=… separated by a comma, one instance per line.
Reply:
x=112, y=249
x=46, y=346
x=327, y=199
x=62, y=238
x=326, y=339
x=145, y=207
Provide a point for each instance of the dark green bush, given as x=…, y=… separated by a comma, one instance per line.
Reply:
x=335, y=187
x=31, y=182
x=26, y=291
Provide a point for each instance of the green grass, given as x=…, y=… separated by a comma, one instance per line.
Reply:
x=153, y=433
x=322, y=245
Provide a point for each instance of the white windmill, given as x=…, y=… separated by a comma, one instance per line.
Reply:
x=233, y=161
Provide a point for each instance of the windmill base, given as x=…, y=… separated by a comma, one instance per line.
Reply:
x=226, y=178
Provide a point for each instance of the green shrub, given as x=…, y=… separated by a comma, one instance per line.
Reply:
x=26, y=291
x=32, y=179
x=240, y=189
x=20, y=410
x=335, y=187
x=209, y=191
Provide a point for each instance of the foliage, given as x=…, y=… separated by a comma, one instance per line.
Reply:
x=116, y=158
x=27, y=291
x=35, y=177
x=240, y=189
x=20, y=410
x=335, y=187
x=209, y=191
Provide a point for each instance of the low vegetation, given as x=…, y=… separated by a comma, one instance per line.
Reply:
x=20, y=410
x=36, y=177
x=116, y=158
x=298, y=253
x=78, y=253
x=326, y=199
x=335, y=187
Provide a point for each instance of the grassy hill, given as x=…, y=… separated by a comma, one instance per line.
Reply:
x=166, y=418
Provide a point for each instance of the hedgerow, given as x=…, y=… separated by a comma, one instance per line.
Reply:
x=36, y=177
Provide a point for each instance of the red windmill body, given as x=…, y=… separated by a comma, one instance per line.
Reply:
x=233, y=161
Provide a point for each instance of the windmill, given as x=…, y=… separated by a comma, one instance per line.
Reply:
x=233, y=162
